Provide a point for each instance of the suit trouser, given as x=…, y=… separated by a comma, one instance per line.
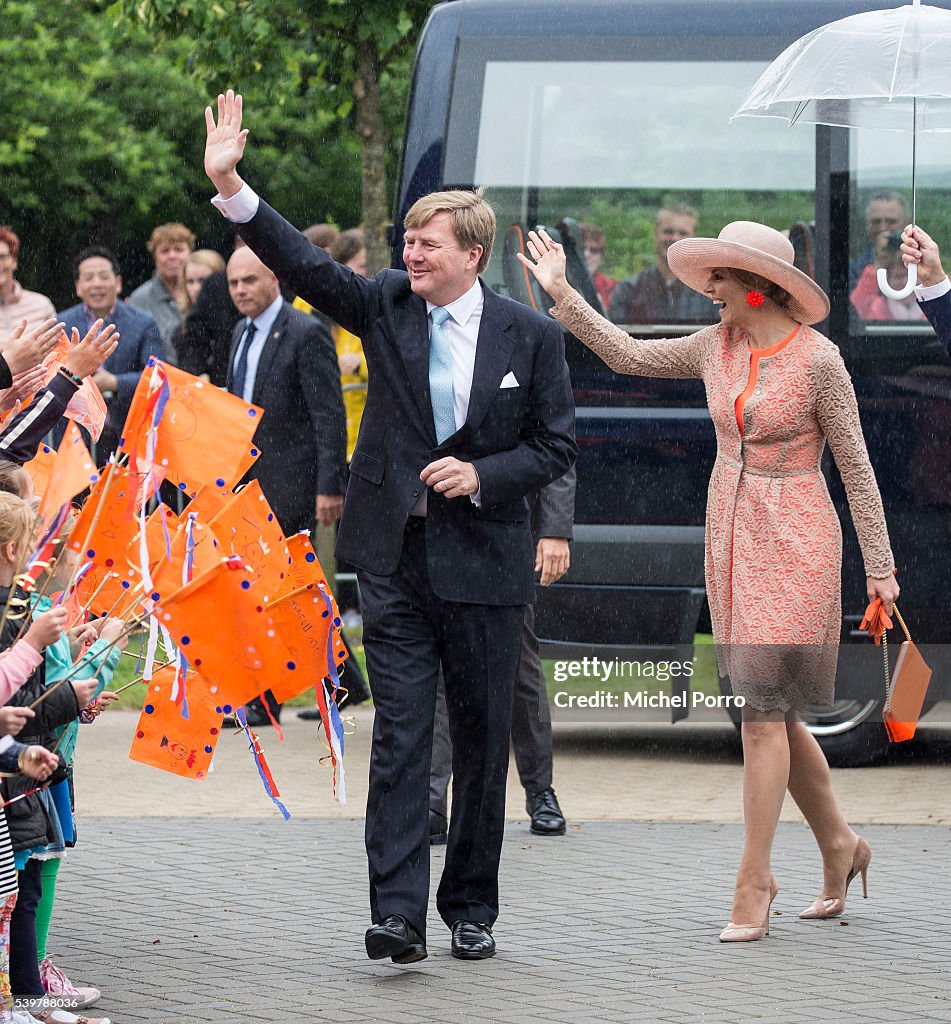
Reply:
x=407, y=632
x=531, y=726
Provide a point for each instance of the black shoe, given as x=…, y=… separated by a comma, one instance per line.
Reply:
x=543, y=809
x=472, y=940
x=397, y=939
x=438, y=828
x=310, y=714
x=257, y=716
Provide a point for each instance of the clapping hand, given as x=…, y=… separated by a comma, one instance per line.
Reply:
x=25, y=386
x=549, y=263
x=224, y=144
x=86, y=356
x=25, y=349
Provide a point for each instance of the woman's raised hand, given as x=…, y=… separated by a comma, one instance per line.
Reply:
x=547, y=263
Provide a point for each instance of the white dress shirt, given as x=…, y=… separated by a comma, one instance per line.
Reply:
x=924, y=293
x=262, y=325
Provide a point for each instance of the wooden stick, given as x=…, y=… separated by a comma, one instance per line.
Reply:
x=141, y=679
x=87, y=661
x=85, y=608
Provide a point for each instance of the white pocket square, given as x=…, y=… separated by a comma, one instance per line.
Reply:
x=509, y=381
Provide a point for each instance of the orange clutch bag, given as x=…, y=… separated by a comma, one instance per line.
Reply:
x=905, y=688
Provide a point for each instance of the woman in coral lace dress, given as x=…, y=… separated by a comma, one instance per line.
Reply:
x=778, y=391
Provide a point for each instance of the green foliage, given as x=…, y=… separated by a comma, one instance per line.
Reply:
x=102, y=136
x=340, y=69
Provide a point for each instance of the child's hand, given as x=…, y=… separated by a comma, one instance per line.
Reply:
x=38, y=763
x=84, y=689
x=112, y=631
x=80, y=637
x=13, y=719
x=93, y=710
x=46, y=628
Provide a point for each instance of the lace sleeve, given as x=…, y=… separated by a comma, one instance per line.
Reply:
x=838, y=415
x=667, y=357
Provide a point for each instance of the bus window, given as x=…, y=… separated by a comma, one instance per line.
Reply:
x=627, y=157
x=879, y=209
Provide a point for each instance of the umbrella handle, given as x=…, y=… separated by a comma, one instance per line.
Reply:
x=886, y=289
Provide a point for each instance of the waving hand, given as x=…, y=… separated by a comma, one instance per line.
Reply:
x=224, y=144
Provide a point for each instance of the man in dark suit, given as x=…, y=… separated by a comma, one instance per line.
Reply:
x=934, y=288
x=553, y=513
x=469, y=410
x=98, y=286
x=284, y=361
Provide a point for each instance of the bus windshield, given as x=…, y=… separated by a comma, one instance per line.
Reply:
x=635, y=154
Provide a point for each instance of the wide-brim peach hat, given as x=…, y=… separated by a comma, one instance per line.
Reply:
x=762, y=250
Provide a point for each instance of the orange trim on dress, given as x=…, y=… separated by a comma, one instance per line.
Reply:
x=756, y=354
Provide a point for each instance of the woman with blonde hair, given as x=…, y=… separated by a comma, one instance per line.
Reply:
x=199, y=266
x=778, y=392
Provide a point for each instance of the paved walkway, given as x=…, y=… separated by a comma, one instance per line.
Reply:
x=691, y=771
x=194, y=920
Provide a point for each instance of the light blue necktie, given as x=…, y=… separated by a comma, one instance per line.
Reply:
x=440, y=376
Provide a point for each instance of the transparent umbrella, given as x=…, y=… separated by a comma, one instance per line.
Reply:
x=887, y=69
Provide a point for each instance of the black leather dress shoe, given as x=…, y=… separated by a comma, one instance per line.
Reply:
x=396, y=938
x=438, y=828
x=472, y=941
x=309, y=714
x=543, y=809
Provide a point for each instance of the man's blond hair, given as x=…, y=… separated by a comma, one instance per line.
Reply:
x=471, y=217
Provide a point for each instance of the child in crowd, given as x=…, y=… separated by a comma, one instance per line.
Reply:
x=98, y=644
x=31, y=827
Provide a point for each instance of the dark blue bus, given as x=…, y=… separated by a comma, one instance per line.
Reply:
x=610, y=121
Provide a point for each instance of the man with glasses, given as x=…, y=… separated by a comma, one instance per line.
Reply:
x=885, y=213
x=16, y=302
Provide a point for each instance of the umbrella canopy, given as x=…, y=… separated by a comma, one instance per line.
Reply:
x=880, y=69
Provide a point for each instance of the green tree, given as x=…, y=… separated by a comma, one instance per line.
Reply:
x=343, y=60
x=102, y=137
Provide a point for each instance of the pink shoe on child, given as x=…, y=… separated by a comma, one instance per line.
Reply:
x=57, y=984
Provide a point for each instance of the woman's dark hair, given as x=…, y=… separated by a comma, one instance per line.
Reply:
x=762, y=284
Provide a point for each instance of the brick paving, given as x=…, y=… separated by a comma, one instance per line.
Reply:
x=197, y=920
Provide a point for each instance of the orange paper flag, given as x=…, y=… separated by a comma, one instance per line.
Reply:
x=72, y=472
x=108, y=521
x=163, y=739
x=247, y=527
x=87, y=407
x=305, y=624
x=40, y=467
x=202, y=434
x=220, y=623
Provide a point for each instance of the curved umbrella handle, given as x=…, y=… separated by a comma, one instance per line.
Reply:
x=886, y=289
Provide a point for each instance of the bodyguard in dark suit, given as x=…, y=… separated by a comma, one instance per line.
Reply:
x=469, y=410
x=286, y=364
x=98, y=286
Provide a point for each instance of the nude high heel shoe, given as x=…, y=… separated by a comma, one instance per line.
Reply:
x=832, y=906
x=751, y=932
